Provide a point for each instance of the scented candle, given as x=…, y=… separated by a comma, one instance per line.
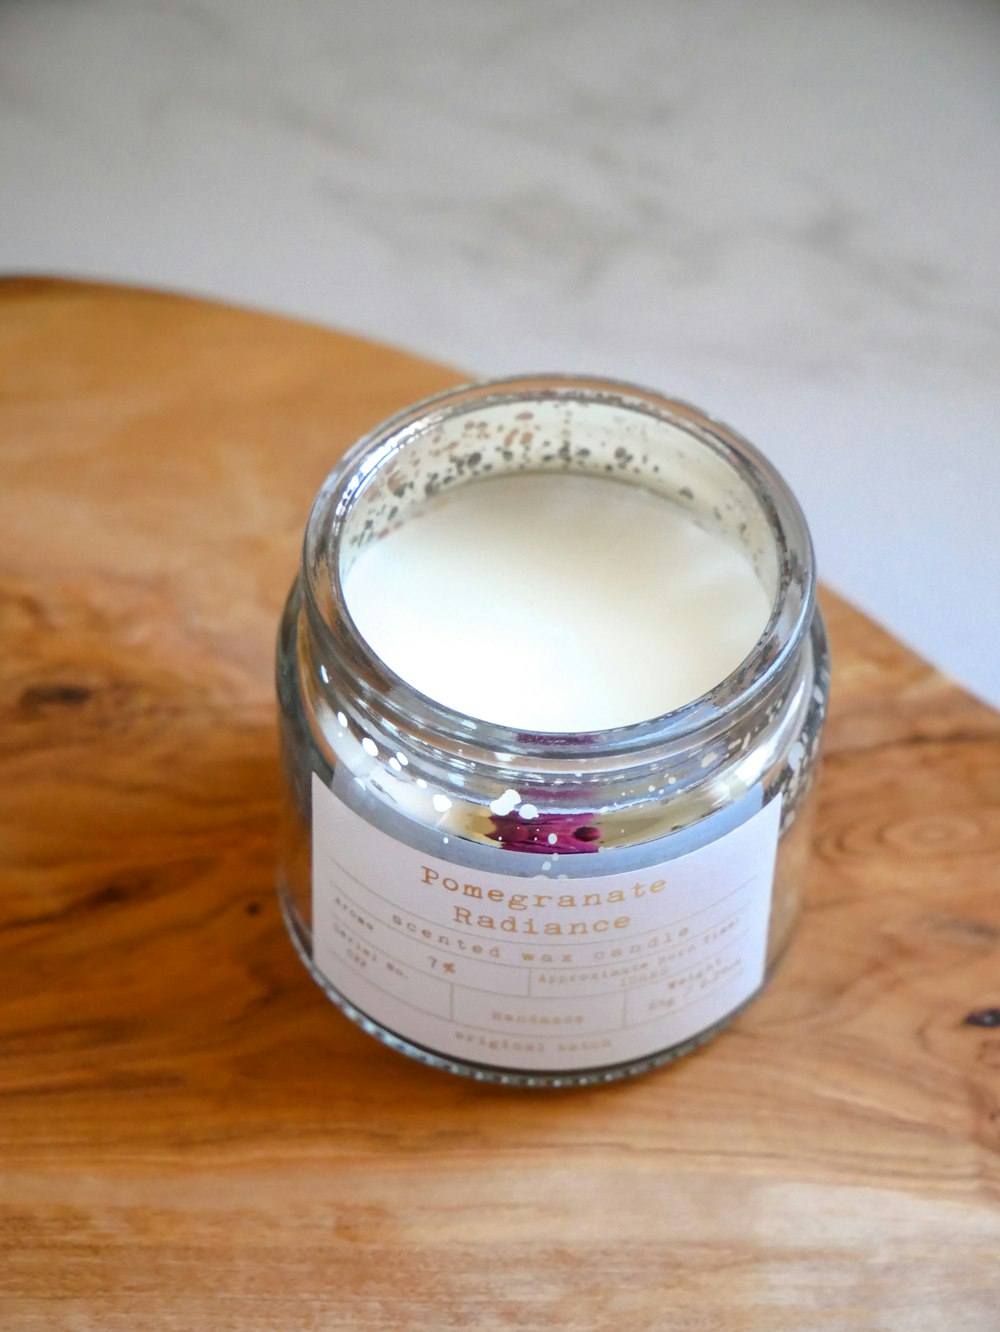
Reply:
x=552, y=680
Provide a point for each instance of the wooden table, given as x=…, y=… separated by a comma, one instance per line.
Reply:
x=192, y=1137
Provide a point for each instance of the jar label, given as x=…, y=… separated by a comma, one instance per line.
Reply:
x=539, y=973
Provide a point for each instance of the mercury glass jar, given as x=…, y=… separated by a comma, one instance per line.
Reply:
x=546, y=908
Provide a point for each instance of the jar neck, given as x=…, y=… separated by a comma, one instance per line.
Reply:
x=569, y=426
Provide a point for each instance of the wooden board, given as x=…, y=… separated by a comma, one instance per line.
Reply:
x=191, y=1136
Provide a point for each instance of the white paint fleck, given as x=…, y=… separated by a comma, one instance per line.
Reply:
x=709, y=758
x=528, y=812
x=552, y=839
x=505, y=803
x=402, y=758
x=394, y=765
x=324, y=674
x=440, y=802
x=421, y=783
x=342, y=718
x=369, y=746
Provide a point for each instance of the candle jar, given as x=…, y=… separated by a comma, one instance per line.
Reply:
x=546, y=908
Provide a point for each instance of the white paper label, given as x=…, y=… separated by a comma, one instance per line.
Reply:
x=539, y=973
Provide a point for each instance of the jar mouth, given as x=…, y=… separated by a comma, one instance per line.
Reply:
x=378, y=472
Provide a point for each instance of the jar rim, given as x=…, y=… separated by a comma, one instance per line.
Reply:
x=738, y=693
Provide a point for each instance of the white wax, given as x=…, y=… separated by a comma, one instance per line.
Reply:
x=549, y=602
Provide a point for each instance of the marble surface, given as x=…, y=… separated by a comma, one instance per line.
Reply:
x=784, y=211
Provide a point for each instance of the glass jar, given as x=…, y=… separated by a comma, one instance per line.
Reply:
x=546, y=909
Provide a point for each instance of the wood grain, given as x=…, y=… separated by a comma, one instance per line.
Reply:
x=191, y=1137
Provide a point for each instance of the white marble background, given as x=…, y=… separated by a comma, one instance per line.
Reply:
x=785, y=211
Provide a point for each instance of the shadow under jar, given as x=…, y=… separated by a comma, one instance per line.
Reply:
x=546, y=907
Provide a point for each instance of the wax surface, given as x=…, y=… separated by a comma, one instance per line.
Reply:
x=550, y=602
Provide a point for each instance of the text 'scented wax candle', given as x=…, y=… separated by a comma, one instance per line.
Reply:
x=549, y=602
x=552, y=680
